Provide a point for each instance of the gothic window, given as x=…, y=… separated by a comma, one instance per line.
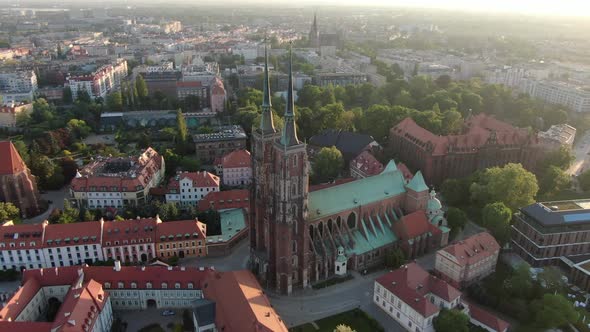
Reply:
x=311, y=232
x=294, y=245
x=338, y=221
x=321, y=229
x=351, y=222
x=330, y=225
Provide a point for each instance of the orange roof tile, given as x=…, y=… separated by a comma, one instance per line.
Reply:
x=239, y=291
x=29, y=234
x=199, y=179
x=178, y=230
x=10, y=161
x=487, y=318
x=228, y=199
x=473, y=249
x=237, y=159
x=127, y=230
x=72, y=234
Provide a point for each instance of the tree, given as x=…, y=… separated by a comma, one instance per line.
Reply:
x=456, y=191
x=343, y=328
x=327, y=164
x=83, y=96
x=554, y=180
x=554, y=311
x=167, y=211
x=470, y=102
x=443, y=81
x=451, y=320
x=9, y=211
x=141, y=87
x=67, y=95
x=496, y=218
x=561, y=158
x=452, y=122
x=181, y=127
x=115, y=102
x=520, y=284
x=584, y=180
x=69, y=214
x=512, y=184
x=394, y=258
x=457, y=219
x=551, y=279
x=78, y=128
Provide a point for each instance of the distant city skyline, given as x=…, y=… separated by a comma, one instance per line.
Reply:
x=579, y=8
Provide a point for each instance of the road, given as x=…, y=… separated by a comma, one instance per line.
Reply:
x=56, y=197
x=237, y=260
x=580, y=152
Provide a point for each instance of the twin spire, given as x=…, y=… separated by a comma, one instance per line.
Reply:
x=289, y=133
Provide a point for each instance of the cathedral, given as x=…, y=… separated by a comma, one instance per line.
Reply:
x=299, y=237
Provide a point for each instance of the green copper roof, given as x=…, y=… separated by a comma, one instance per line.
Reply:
x=232, y=222
x=326, y=202
x=390, y=166
x=433, y=204
x=444, y=229
x=372, y=234
x=417, y=183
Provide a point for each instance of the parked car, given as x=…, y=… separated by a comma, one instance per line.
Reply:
x=168, y=313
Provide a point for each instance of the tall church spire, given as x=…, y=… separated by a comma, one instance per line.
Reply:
x=266, y=121
x=289, y=135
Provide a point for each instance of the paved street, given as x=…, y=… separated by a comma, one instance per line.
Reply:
x=237, y=260
x=56, y=197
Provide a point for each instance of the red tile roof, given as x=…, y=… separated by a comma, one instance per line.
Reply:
x=75, y=233
x=10, y=161
x=413, y=225
x=199, y=179
x=143, y=169
x=487, y=318
x=20, y=299
x=239, y=292
x=178, y=230
x=81, y=307
x=478, y=131
x=228, y=199
x=127, y=230
x=473, y=249
x=367, y=164
x=236, y=159
x=22, y=233
x=412, y=284
x=405, y=171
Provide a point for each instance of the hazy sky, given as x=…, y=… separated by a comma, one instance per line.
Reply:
x=547, y=7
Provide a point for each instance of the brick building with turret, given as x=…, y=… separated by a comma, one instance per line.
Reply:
x=17, y=184
x=299, y=236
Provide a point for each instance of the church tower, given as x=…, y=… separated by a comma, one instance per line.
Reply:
x=279, y=246
x=314, y=33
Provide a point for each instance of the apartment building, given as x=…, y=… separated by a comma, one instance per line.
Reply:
x=18, y=86
x=469, y=260
x=100, y=82
x=117, y=182
x=217, y=144
x=544, y=233
x=235, y=168
x=10, y=112
x=186, y=238
x=575, y=97
x=187, y=188
x=413, y=298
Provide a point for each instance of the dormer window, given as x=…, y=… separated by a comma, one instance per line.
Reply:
x=177, y=285
x=164, y=285
x=107, y=285
x=133, y=285
x=121, y=285
x=148, y=285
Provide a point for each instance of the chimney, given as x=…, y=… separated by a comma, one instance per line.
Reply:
x=117, y=265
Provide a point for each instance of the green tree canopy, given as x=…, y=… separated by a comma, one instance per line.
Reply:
x=496, y=218
x=553, y=180
x=395, y=258
x=115, y=102
x=451, y=320
x=561, y=158
x=554, y=311
x=343, y=328
x=327, y=164
x=9, y=211
x=457, y=219
x=584, y=180
x=456, y=191
x=141, y=87
x=512, y=185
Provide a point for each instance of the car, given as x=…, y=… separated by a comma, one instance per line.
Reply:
x=168, y=313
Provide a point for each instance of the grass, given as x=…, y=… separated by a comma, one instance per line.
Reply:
x=357, y=319
x=330, y=282
x=152, y=328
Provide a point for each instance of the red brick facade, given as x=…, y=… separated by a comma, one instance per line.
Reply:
x=485, y=142
x=17, y=184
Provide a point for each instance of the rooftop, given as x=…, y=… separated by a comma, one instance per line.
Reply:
x=233, y=221
x=473, y=249
x=559, y=212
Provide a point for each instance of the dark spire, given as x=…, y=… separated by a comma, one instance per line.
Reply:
x=289, y=136
x=266, y=122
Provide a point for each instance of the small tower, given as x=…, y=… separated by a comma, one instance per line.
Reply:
x=434, y=210
x=340, y=264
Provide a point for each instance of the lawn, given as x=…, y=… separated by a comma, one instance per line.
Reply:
x=357, y=319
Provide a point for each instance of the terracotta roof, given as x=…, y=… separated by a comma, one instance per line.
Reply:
x=405, y=171
x=413, y=225
x=10, y=162
x=81, y=307
x=178, y=230
x=479, y=130
x=127, y=230
x=473, y=249
x=72, y=234
x=239, y=292
x=367, y=163
x=486, y=318
x=237, y=159
x=199, y=179
x=22, y=233
x=412, y=284
x=20, y=299
x=142, y=170
x=228, y=199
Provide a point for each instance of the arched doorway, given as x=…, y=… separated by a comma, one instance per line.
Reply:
x=181, y=254
x=143, y=257
x=152, y=303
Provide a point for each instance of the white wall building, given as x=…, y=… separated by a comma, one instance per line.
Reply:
x=186, y=189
